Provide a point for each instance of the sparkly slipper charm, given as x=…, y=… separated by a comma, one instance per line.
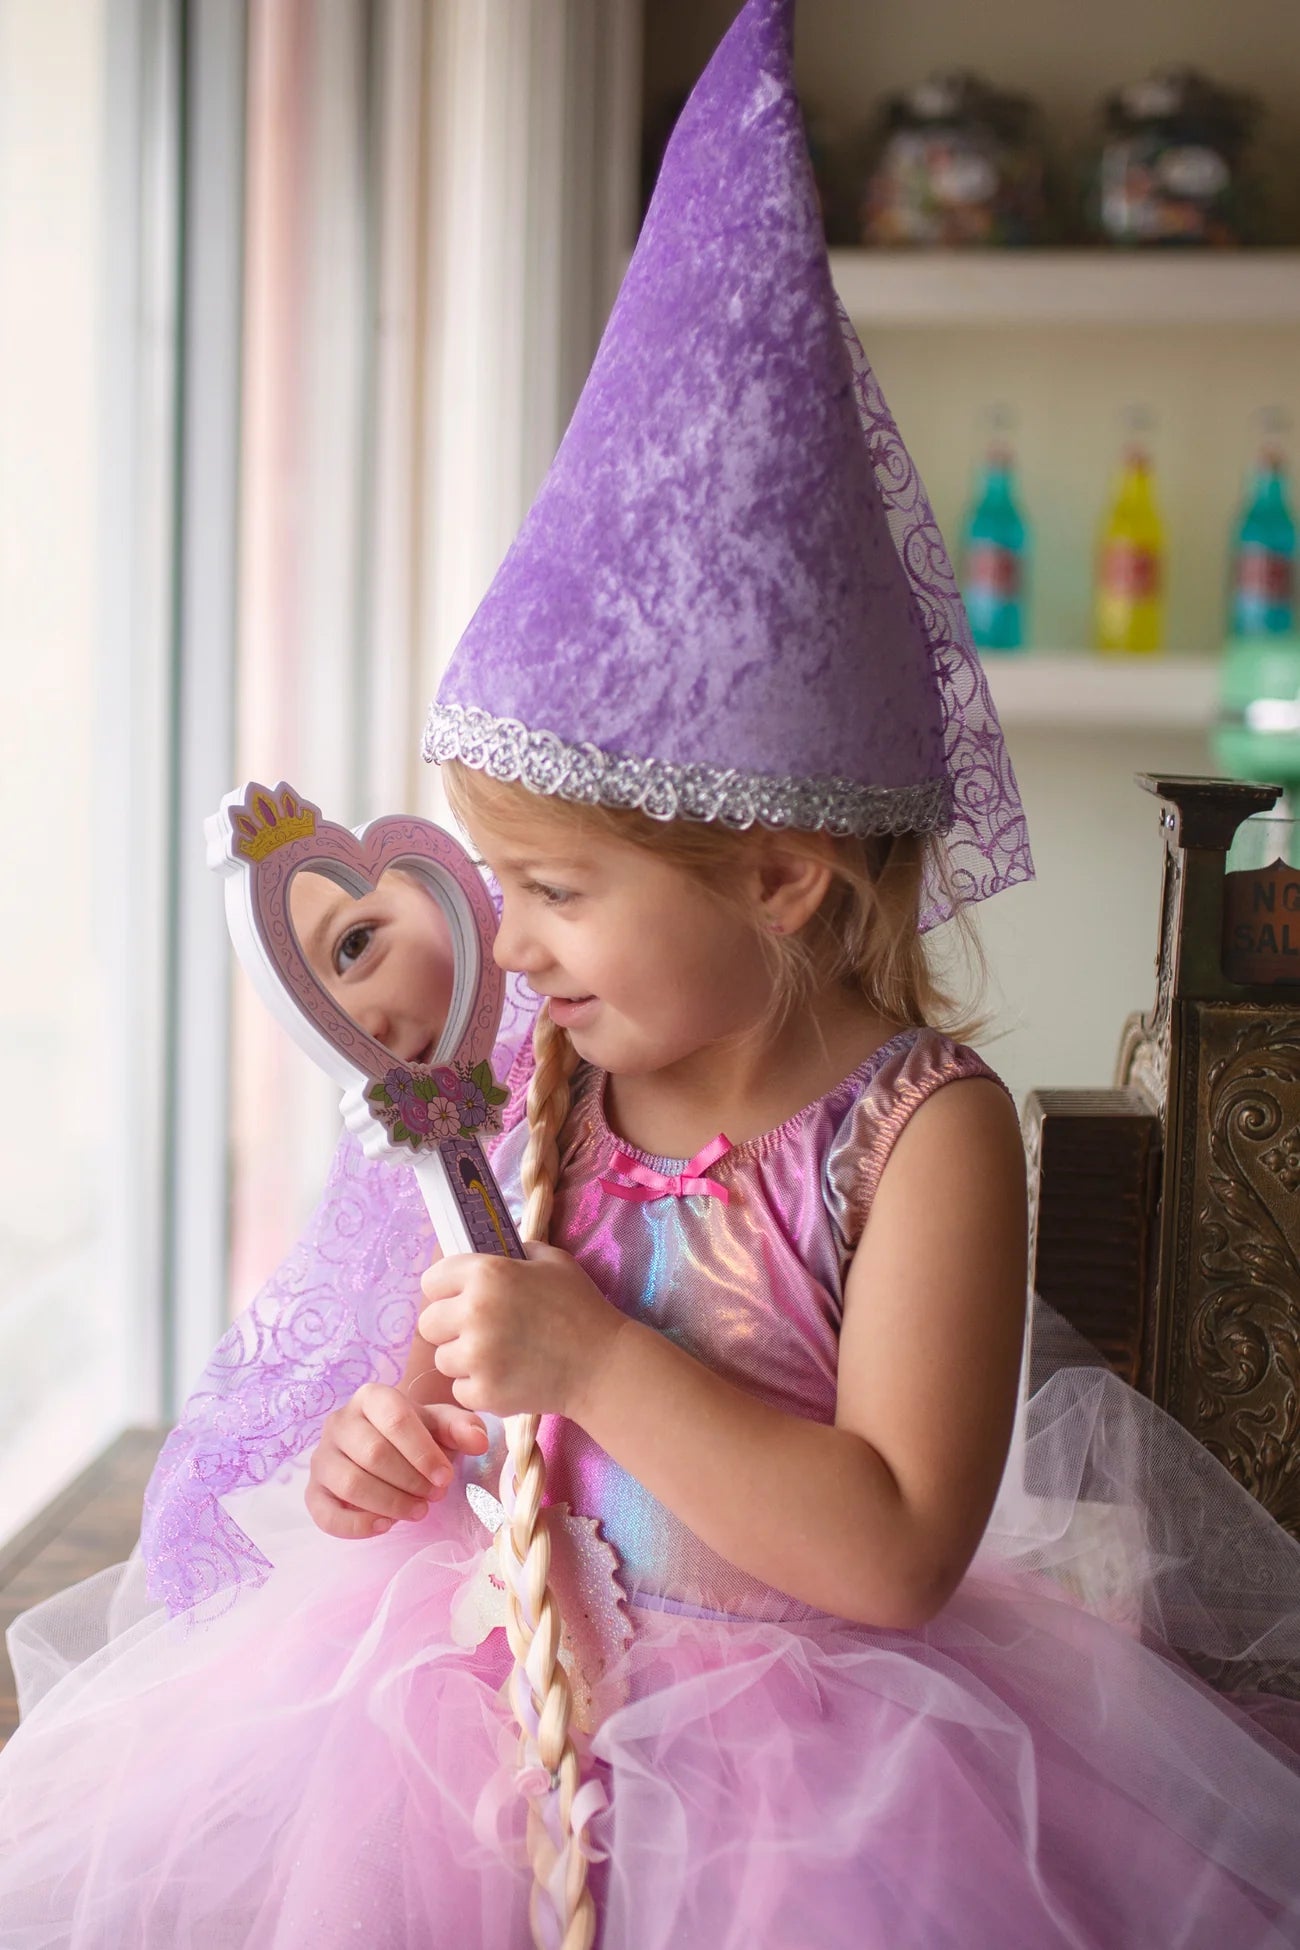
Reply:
x=584, y=1580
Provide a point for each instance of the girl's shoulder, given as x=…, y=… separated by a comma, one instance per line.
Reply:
x=876, y=1105
x=843, y=1138
x=881, y=1093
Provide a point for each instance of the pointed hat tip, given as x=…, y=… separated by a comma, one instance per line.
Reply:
x=763, y=23
x=778, y=17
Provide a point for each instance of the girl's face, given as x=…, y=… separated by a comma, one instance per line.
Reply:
x=644, y=965
x=386, y=958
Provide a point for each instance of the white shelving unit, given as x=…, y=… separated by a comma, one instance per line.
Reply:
x=1034, y=291
x=1080, y=692
x=1069, y=288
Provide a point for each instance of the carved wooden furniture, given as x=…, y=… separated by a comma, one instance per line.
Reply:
x=1166, y=1211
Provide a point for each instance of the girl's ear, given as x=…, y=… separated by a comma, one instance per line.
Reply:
x=792, y=882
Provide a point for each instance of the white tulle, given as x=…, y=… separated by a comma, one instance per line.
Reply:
x=322, y=1764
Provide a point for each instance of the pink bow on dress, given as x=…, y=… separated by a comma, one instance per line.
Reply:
x=649, y=1184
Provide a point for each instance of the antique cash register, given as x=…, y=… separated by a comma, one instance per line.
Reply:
x=1166, y=1210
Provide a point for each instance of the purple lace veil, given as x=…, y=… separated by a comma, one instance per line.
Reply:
x=729, y=601
x=338, y=1311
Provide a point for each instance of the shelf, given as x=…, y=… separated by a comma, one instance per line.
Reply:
x=1076, y=691
x=1044, y=287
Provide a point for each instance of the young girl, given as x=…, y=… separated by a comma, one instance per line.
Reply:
x=386, y=958
x=720, y=734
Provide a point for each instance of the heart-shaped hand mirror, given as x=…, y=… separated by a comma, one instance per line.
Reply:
x=373, y=948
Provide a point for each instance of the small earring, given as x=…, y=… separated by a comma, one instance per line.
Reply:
x=776, y=927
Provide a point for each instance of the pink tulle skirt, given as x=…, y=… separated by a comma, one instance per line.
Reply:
x=321, y=1764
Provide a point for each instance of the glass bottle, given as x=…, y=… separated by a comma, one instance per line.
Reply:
x=1263, y=558
x=1131, y=562
x=996, y=546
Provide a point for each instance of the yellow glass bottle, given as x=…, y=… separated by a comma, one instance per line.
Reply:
x=1131, y=559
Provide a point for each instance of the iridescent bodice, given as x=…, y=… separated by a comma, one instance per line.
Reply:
x=753, y=1287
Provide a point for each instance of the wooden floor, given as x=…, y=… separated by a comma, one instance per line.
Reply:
x=91, y=1524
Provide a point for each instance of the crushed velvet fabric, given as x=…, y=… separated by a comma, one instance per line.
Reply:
x=730, y=599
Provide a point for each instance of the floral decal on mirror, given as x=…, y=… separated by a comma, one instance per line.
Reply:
x=420, y=1107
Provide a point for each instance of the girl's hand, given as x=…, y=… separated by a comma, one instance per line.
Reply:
x=518, y=1337
x=382, y=1457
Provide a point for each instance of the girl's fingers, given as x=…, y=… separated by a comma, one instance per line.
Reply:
x=440, y=1320
x=374, y=1460
x=455, y=1428
x=392, y=1440
x=345, y=1479
x=383, y=1460
x=451, y=1361
x=446, y=1276
x=339, y=1519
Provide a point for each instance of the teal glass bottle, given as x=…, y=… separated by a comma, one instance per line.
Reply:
x=996, y=547
x=1263, y=567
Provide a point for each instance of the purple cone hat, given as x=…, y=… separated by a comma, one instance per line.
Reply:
x=730, y=600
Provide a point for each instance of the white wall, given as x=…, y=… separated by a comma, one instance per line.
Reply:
x=1072, y=954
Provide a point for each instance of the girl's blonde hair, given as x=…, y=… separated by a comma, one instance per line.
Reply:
x=866, y=937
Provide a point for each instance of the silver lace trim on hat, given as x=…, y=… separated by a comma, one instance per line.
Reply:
x=588, y=776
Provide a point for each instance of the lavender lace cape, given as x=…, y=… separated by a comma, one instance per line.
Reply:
x=730, y=600
x=338, y=1311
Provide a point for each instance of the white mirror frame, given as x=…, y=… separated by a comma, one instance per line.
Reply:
x=258, y=840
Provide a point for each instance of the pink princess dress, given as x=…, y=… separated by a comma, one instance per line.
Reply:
x=323, y=1758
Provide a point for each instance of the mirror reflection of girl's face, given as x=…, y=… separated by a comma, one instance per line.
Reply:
x=386, y=958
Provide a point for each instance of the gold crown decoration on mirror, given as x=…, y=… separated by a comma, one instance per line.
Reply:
x=262, y=825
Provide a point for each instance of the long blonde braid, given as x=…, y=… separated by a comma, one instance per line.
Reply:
x=561, y=1910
